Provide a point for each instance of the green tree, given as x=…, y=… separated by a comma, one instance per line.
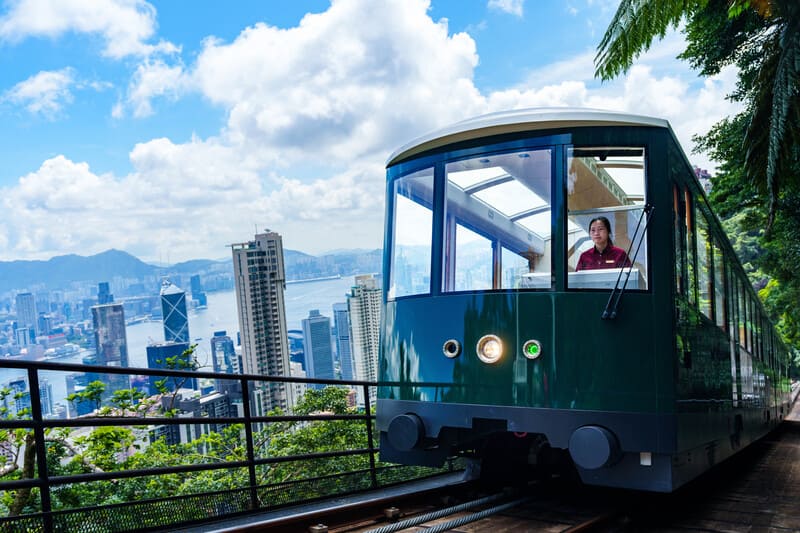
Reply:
x=299, y=438
x=93, y=393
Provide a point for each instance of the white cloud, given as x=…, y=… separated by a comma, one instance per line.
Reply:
x=153, y=78
x=44, y=93
x=125, y=25
x=344, y=83
x=512, y=7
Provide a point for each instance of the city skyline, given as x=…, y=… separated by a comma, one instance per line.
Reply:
x=141, y=126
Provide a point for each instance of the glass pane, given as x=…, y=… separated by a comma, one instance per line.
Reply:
x=498, y=222
x=411, y=242
x=719, y=287
x=605, y=227
x=742, y=313
x=514, y=268
x=703, y=266
x=689, y=221
x=473, y=261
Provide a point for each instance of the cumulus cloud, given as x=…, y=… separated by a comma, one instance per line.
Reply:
x=341, y=83
x=153, y=78
x=48, y=92
x=512, y=7
x=124, y=25
x=44, y=93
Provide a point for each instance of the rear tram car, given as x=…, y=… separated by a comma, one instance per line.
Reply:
x=496, y=344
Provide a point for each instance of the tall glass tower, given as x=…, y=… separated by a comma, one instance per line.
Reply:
x=112, y=343
x=341, y=322
x=318, y=348
x=26, y=312
x=223, y=354
x=173, y=309
x=260, y=284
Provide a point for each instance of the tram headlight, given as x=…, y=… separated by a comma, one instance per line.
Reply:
x=490, y=349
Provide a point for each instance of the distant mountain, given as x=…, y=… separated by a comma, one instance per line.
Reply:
x=60, y=272
x=303, y=266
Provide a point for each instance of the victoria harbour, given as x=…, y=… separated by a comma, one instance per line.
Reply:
x=219, y=315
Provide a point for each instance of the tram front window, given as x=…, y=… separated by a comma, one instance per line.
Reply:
x=413, y=227
x=606, y=185
x=497, y=222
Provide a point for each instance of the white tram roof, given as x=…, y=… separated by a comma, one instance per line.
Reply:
x=518, y=120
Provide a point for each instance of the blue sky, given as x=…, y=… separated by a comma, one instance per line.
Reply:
x=170, y=129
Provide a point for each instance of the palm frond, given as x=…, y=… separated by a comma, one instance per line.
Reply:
x=633, y=28
x=770, y=133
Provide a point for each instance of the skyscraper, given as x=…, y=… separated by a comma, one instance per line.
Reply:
x=109, y=334
x=104, y=295
x=223, y=353
x=111, y=342
x=173, y=309
x=260, y=283
x=157, y=355
x=341, y=321
x=198, y=295
x=317, y=344
x=364, y=304
x=26, y=312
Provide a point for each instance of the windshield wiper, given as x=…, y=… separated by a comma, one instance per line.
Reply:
x=610, y=312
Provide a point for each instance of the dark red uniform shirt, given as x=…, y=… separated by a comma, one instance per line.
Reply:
x=611, y=257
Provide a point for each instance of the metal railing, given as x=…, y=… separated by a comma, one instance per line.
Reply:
x=183, y=509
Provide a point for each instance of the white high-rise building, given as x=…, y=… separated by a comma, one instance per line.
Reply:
x=364, y=305
x=260, y=283
x=26, y=312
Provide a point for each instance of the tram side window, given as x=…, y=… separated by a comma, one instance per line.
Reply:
x=704, y=278
x=690, y=264
x=742, y=313
x=751, y=330
x=719, y=286
x=412, y=227
x=732, y=307
x=606, y=183
x=498, y=222
x=677, y=240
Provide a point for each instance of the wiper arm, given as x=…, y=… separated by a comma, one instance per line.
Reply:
x=610, y=312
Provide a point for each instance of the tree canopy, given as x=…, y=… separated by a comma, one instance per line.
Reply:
x=760, y=37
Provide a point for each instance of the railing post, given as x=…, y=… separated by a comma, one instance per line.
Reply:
x=248, y=435
x=370, y=439
x=41, y=460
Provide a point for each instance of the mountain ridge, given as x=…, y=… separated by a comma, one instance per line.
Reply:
x=60, y=272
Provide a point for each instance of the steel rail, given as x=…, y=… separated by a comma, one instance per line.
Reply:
x=438, y=514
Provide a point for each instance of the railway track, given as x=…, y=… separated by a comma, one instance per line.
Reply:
x=555, y=505
x=756, y=490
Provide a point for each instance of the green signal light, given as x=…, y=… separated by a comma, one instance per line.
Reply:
x=532, y=349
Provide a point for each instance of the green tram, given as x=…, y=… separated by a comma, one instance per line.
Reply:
x=496, y=344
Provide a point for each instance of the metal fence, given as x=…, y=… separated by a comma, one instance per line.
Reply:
x=175, y=510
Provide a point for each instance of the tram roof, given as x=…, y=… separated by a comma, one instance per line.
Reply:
x=519, y=120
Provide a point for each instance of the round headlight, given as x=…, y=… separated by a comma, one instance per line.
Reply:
x=490, y=349
x=532, y=349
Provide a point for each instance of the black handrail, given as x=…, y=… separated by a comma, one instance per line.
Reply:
x=38, y=424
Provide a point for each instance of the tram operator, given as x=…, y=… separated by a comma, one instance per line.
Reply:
x=603, y=254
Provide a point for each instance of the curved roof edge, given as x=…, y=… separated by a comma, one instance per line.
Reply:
x=518, y=120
